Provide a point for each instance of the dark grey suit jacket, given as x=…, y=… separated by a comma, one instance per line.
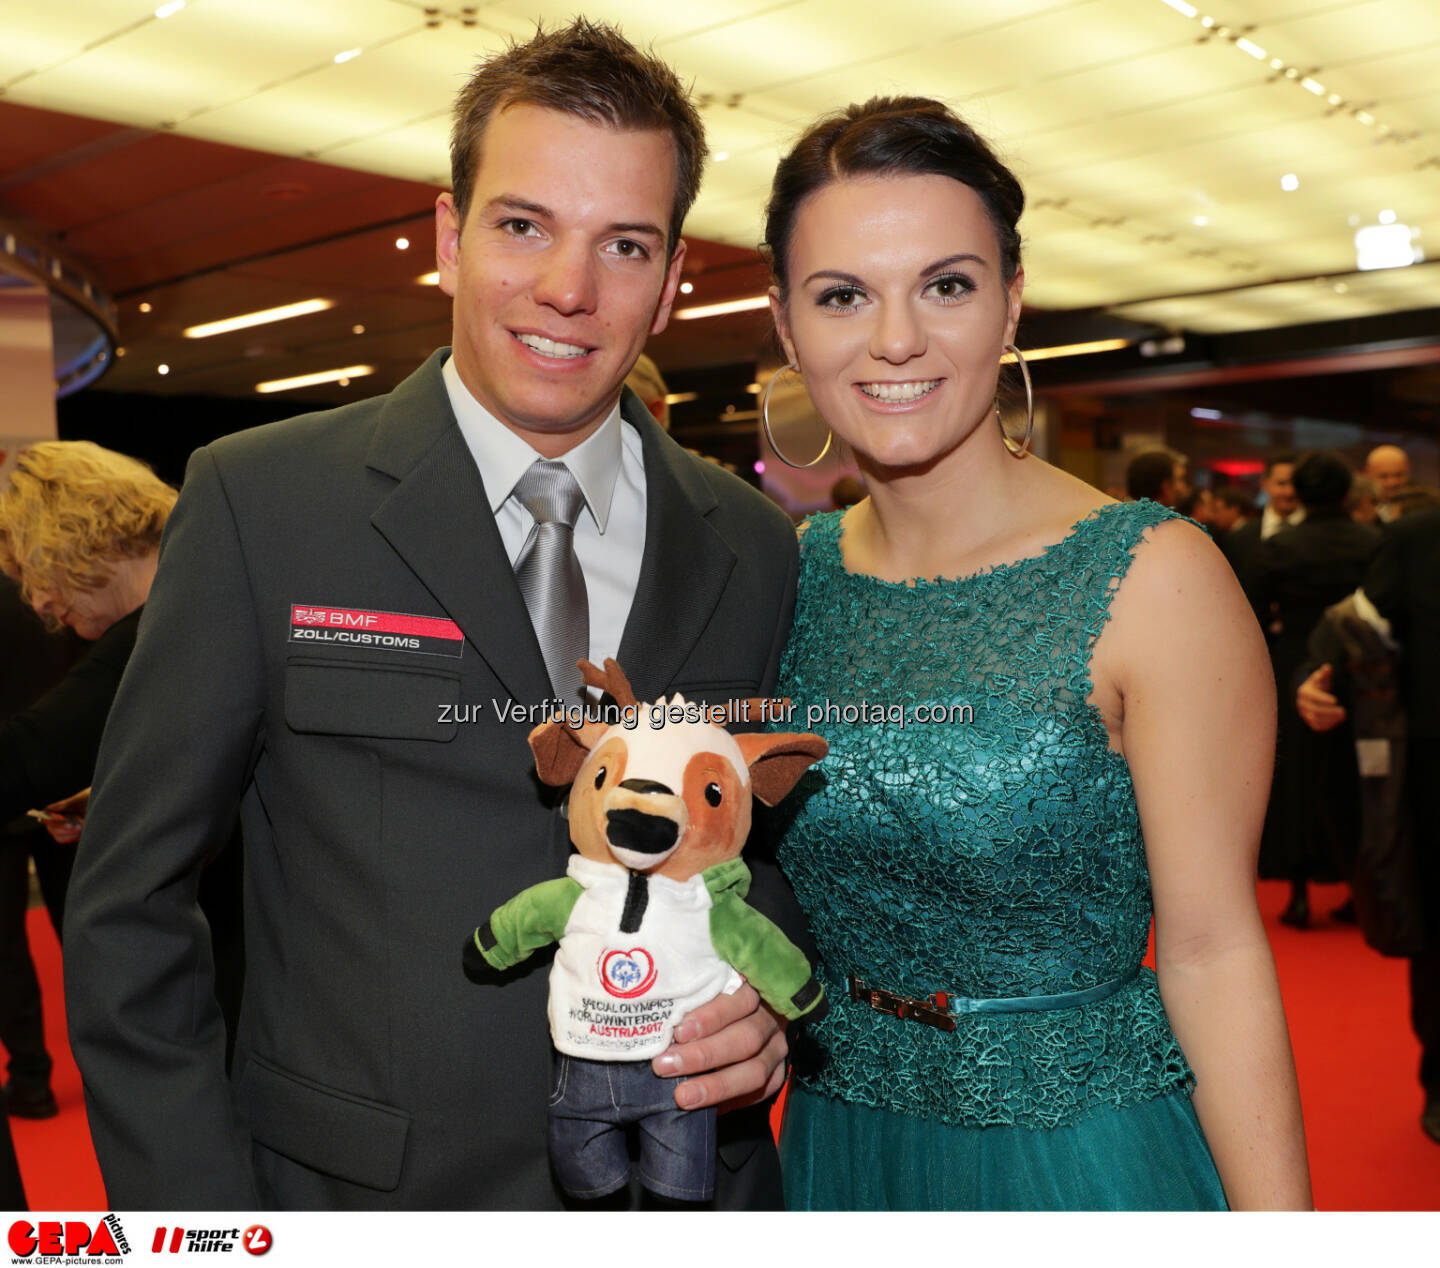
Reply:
x=369, y=1072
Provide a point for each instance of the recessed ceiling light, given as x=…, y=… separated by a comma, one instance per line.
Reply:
x=348, y=55
x=1386, y=246
x=119, y=352
x=162, y=369
x=727, y=306
x=687, y=288
x=310, y=380
x=1069, y=350
x=1289, y=182
x=1277, y=63
x=1365, y=117
x=1335, y=99
x=1387, y=217
x=1313, y=85
x=357, y=330
x=402, y=244
x=145, y=307
x=1249, y=46
x=260, y=318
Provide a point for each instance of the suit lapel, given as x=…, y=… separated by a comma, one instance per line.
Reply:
x=438, y=520
x=685, y=566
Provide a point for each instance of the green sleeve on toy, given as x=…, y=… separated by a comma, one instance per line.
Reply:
x=770, y=962
x=534, y=918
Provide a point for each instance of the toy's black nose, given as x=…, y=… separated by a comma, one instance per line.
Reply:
x=646, y=786
x=644, y=834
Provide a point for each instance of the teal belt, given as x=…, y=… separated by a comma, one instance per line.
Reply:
x=941, y=1008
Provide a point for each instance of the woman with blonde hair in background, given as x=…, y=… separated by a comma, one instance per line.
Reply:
x=80, y=530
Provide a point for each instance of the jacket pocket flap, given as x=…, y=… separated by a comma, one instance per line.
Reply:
x=376, y=702
x=341, y=1135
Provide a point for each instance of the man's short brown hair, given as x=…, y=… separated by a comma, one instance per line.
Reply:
x=587, y=69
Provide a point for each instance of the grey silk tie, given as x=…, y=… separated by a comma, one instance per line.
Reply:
x=549, y=573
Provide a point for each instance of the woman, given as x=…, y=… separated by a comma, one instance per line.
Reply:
x=980, y=888
x=1313, y=825
x=80, y=530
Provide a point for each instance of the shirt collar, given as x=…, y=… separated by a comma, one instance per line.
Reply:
x=1271, y=521
x=503, y=457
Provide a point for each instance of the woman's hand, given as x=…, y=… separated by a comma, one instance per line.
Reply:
x=65, y=829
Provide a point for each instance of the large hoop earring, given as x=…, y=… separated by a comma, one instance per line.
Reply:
x=1020, y=450
x=770, y=435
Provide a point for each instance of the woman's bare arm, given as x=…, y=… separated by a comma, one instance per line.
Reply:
x=1198, y=731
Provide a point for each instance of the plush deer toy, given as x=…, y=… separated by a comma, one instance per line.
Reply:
x=652, y=922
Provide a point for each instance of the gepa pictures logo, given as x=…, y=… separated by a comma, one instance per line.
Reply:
x=76, y=1240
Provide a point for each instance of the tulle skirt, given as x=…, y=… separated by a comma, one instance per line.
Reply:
x=1148, y=1157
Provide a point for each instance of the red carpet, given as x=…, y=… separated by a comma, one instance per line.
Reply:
x=1347, y=1008
x=57, y=1162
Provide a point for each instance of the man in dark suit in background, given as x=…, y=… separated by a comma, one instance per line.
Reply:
x=337, y=641
x=1403, y=584
x=1241, y=545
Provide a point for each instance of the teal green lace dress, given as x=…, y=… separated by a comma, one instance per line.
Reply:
x=995, y=857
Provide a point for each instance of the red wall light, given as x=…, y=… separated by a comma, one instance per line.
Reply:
x=1237, y=467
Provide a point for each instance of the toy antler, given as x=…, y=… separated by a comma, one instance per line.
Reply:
x=612, y=680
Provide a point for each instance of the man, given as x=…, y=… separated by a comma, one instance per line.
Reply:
x=1389, y=467
x=1312, y=822
x=334, y=593
x=1199, y=505
x=1403, y=585
x=1282, y=510
x=1157, y=474
x=1229, y=509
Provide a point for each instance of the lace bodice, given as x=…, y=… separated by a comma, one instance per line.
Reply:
x=996, y=852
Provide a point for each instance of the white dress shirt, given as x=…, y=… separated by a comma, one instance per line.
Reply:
x=608, y=465
x=1271, y=521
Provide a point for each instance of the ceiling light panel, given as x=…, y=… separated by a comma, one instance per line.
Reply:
x=235, y=45
x=1111, y=128
x=1354, y=32
x=797, y=48
x=661, y=20
x=393, y=151
x=738, y=221
x=38, y=35
x=313, y=112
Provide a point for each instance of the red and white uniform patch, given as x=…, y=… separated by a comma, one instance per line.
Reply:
x=387, y=631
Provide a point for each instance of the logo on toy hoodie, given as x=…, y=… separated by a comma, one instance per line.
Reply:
x=626, y=974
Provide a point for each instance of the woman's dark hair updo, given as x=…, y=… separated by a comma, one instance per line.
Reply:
x=892, y=136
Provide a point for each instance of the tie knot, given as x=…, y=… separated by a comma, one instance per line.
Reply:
x=550, y=493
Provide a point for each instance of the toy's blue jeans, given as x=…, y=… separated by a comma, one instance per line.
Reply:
x=592, y=1105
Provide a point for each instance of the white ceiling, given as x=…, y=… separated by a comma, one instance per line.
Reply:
x=1125, y=119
